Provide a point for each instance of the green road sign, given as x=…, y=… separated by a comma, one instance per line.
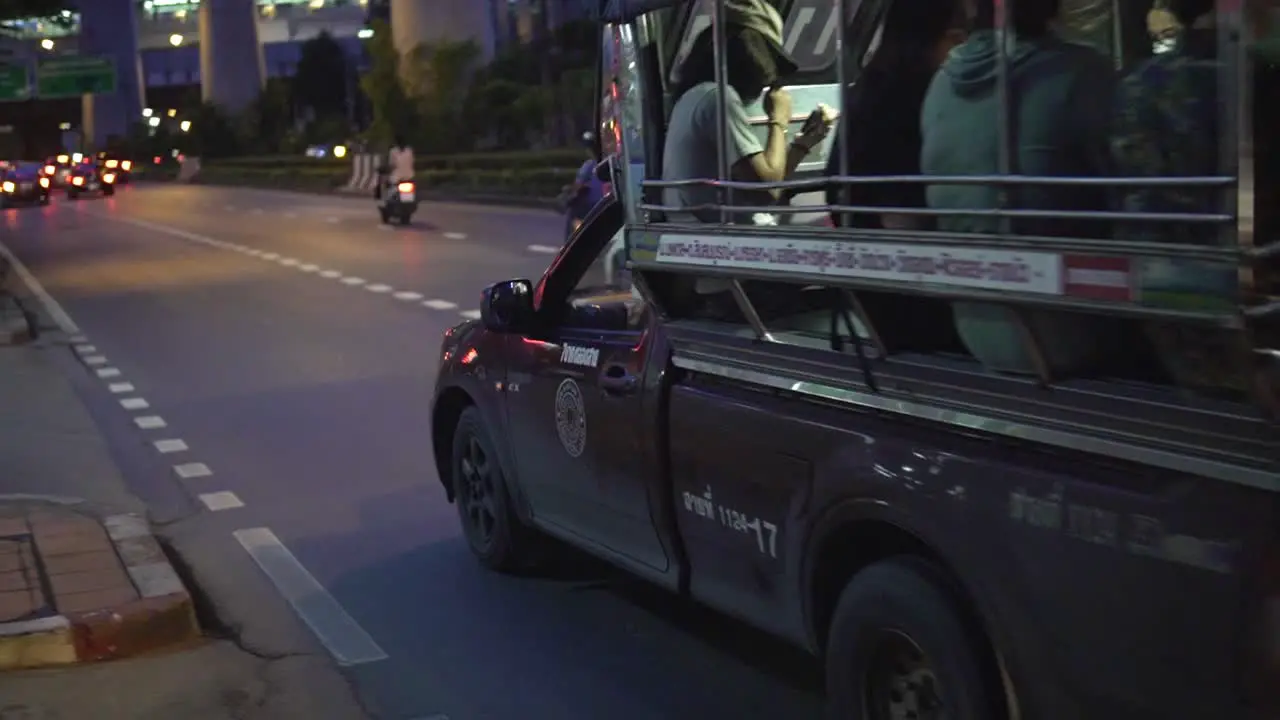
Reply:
x=75, y=76
x=14, y=84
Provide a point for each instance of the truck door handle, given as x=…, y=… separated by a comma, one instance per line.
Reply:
x=615, y=380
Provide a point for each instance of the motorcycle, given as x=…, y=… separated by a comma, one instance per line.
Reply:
x=397, y=201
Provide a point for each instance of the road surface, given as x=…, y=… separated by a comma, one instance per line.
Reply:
x=277, y=354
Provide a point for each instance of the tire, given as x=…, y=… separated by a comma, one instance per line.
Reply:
x=406, y=217
x=108, y=190
x=504, y=548
x=386, y=215
x=885, y=603
x=72, y=195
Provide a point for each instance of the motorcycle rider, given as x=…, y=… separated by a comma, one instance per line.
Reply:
x=399, y=167
x=580, y=198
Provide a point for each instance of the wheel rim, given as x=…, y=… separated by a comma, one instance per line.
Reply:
x=476, y=494
x=900, y=682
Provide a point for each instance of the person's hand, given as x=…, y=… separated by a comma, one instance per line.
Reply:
x=816, y=127
x=777, y=105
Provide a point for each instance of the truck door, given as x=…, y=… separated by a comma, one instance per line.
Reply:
x=579, y=429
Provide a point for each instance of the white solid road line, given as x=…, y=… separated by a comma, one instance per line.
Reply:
x=51, y=306
x=224, y=500
x=189, y=471
x=349, y=643
x=170, y=446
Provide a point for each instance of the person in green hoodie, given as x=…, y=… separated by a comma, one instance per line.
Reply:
x=1060, y=103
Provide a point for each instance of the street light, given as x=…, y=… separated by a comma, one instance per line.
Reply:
x=154, y=121
x=365, y=33
x=186, y=126
x=340, y=151
x=148, y=112
x=175, y=39
x=173, y=113
x=47, y=44
x=64, y=126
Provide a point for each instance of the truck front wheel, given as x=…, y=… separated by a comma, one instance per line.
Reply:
x=900, y=648
x=494, y=533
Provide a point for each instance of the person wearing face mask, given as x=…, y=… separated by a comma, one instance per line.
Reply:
x=755, y=61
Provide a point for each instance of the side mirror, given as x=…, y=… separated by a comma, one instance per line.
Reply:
x=507, y=306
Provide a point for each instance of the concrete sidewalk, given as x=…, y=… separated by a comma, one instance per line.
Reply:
x=82, y=579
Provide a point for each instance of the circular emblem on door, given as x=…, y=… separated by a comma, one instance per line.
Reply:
x=571, y=418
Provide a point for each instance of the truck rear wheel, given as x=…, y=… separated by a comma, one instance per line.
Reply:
x=495, y=535
x=900, y=648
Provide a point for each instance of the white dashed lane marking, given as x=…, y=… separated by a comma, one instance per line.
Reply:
x=408, y=295
x=189, y=471
x=353, y=281
x=135, y=403
x=95, y=360
x=544, y=249
x=290, y=262
x=270, y=256
x=170, y=446
x=108, y=372
x=440, y=304
x=330, y=274
x=225, y=500
x=470, y=314
x=150, y=422
x=86, y=349
x=118, y=388
x=309, y=268
x=378, y=288
x=455, y=236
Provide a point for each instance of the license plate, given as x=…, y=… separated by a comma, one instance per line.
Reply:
x=93, y=186
x=406, y=197
x=25, y=187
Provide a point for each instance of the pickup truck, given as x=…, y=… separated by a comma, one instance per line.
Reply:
x=936, y=560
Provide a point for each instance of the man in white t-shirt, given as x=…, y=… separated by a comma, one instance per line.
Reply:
x=399, y=166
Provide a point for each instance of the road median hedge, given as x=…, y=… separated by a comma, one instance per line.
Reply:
x=492, y=161
x=517, y=183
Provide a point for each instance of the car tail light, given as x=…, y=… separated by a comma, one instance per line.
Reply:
x=50, y=169
x=63, y=159
x=405, y=187
x=77, y=181
x=109, y=178
x=44, y=182
x=157, y=160
x=8, y=186
x=126, y=164
x=113, y=163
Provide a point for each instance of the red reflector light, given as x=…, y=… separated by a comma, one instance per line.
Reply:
x=405, y=187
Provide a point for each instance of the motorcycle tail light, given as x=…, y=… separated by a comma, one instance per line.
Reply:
x=126, y=164
x=109, y=178
x=112, y=163
x=405, y=187
x=77, y=181
x=44, y=182
x=49, y=169
x=8, y=187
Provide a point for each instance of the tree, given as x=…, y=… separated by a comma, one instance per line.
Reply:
x=320, y=82
x=266, y=123
x=392, y=110
x=437, y=75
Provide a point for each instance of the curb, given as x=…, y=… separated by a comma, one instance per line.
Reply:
x=162, y=616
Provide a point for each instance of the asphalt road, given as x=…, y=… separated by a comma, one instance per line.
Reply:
x=287, y=345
